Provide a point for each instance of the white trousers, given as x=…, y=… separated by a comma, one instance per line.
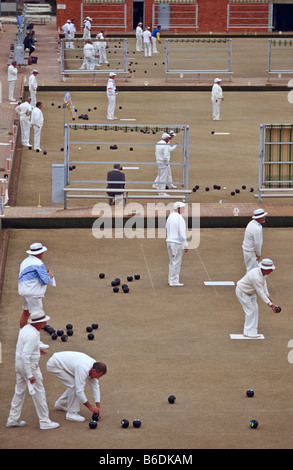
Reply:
x=139, y=44
x=250, y=260
x=148, y=49
x=250, y=307
x=68, y=400
x=86, y=34
x=111, y=106
x=103, y=55
x=89, y=62
x=33, y=95
x=39, y=397
x=11, y=87
x=160, y=182
x=154, y=42
x=216, y=109
x=25, y=131
x=37, y=137
x=168, y=178
x=175, y=252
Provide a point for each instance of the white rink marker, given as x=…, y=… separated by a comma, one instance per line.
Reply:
x=245, y=337
x=219, y=283
x=131, y=168
x=127, y=119
x=220, y=133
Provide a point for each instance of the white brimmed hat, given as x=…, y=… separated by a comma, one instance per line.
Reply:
x=89, y=18
x=266, y=264
x=178, y=204
x=37, y=317
x=35, y=71
x=112, y=74
x=258, y=213
x=165, y=135
x=172, y=133
x=217, y=80
x=36, y=249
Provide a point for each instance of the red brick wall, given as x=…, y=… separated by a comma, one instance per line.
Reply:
x=212, y=15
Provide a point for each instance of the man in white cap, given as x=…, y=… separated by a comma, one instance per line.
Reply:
x=33, y=86
x=12, y=77
x=253, y=239
x=87, y=28
x=217, y=97
x=37, y=121
x=169, y=178
x=29, y=375
x=111, y=94
x=102, y=47
x=176, y=243
x=24, y=111
x=138, y=34
x=254, y=284
x=75, y=370
x=32, y=281
x=89, y=55
x=68, y=34
x=147, y=42
x=162, y=160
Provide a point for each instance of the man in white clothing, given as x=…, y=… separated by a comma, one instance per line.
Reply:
x=33, y=280
x=162, y=160
x=176, y=243
x=253, y=239
x=33, y=86
x=29, y=375
x=169, y=179
x=87, y=28
x=138, y=34
x=37, y=121
x=147, y=42
x=217, y=97
x=254, y=284
x=68, y=34
x=111, y=94
x=12, y=77
x=75, y=369
x=89, y=55
x=102, y=47
x=24, y=110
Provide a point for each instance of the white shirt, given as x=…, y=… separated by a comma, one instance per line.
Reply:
x=66, y=29
x=24, y=110
x=253, y=237
x=162, y=152
x=87, y=25
x=78, y=365
x=111, y=87
x=146, y=36
x=37, y=118
x=217, y=92
x=138, y=32
x=12, y=73
x=176, y=229
x=88, y=50
x=33, y=277
x=254, y=282
x=32, y=83
x=28, y=348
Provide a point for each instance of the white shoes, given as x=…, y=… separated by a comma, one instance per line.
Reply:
x=17, y=424
x=74, y=417
x=60, y=407
x=176, y=284
x=50, y=425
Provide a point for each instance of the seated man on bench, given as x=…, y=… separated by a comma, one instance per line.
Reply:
x=115, y=180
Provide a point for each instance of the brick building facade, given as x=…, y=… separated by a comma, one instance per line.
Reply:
x=184, y=16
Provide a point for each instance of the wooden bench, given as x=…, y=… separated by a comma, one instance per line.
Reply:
x=127, y=194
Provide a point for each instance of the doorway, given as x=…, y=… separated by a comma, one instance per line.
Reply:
x=137, y=13
x=283, y=17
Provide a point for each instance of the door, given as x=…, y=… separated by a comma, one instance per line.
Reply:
x=283, y=17
x=137, y=13
x=164, y=16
